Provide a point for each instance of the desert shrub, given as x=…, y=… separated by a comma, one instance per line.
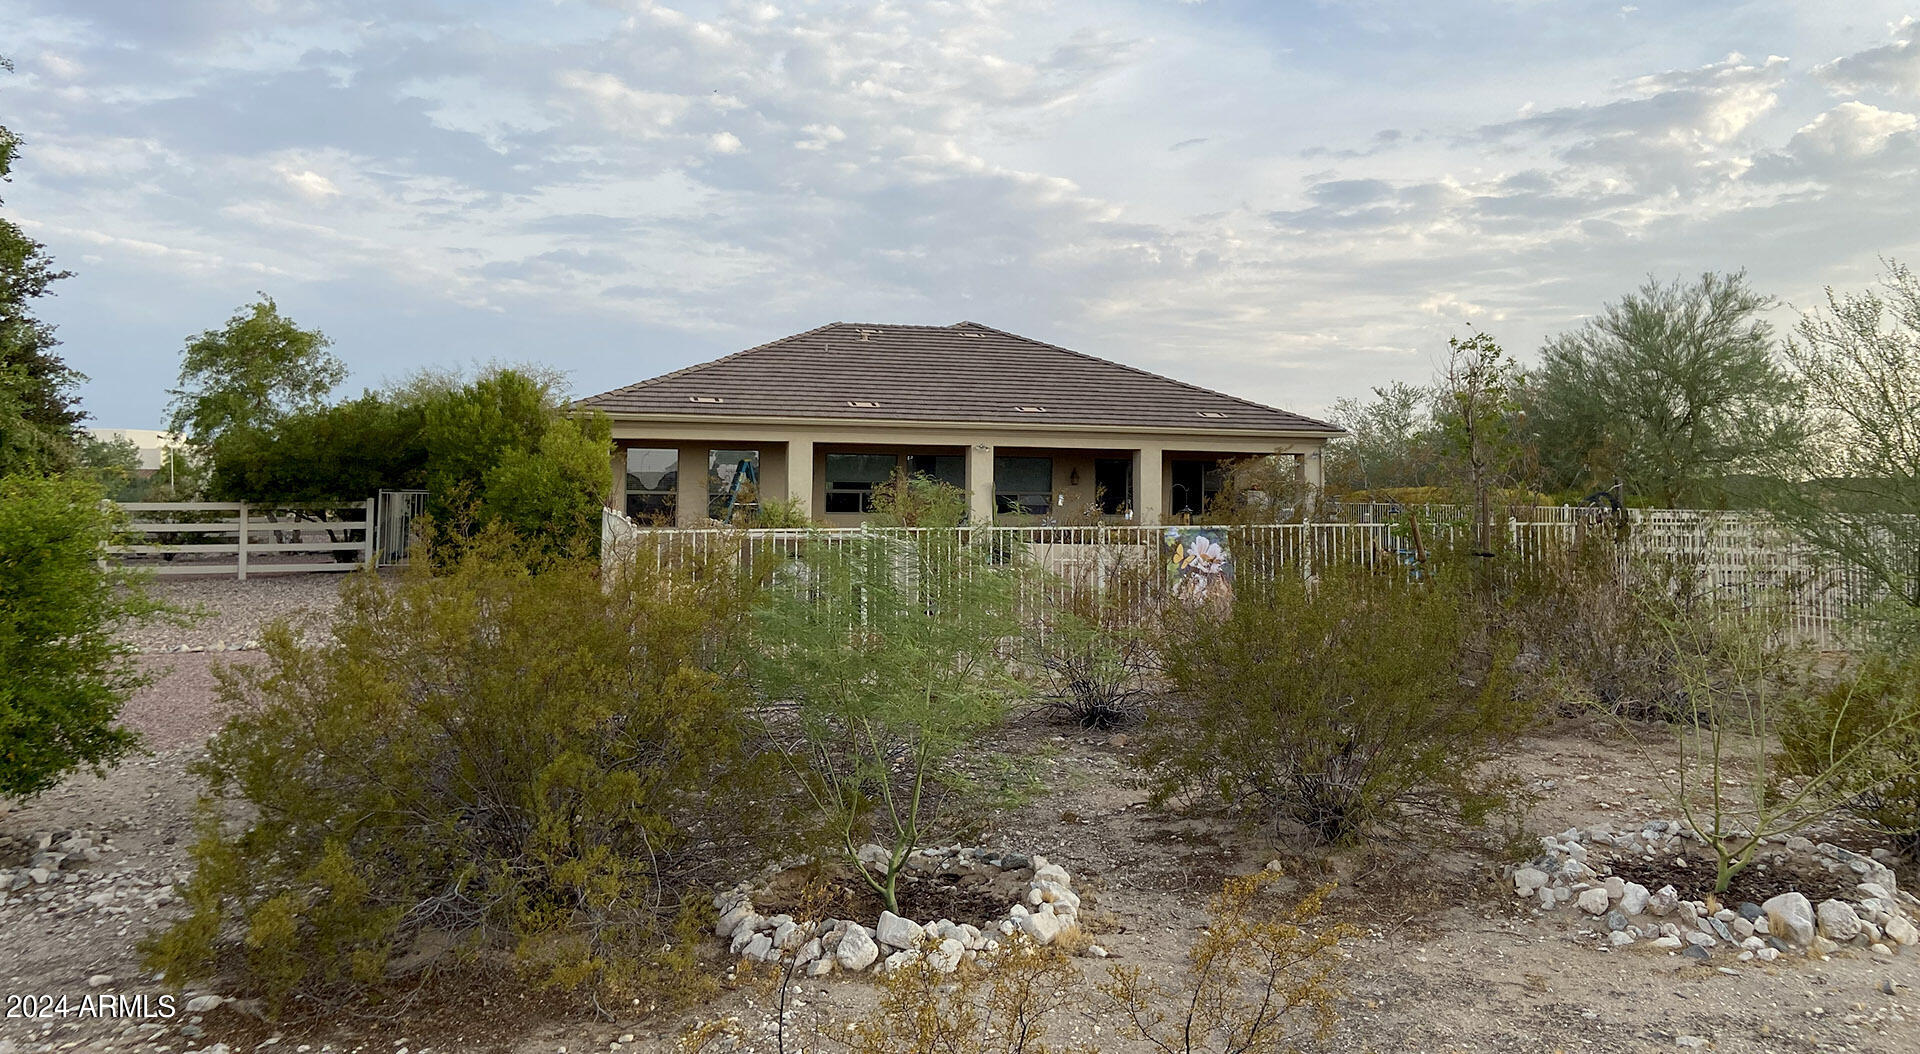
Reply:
x=1254, y=972
x=66, y=671
x=886, y=644
x=1595, y=627
x=1095, y=662
x=1340, y=703
x=1870, y=720
x=918, y=501
x=483, y=767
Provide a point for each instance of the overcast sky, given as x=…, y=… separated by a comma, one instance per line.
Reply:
x=1288, y=201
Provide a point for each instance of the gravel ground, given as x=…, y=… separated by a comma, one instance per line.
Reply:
x=228, y=615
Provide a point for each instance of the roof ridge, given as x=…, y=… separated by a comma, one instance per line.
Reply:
x=1149, y=373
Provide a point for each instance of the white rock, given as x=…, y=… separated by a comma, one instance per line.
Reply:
x=732, y=919
x=809, y=952
x=787, y=934
x=820, y=967
x=1594, y=901
x=898, y=960
x=1633, y=899
x=200, y=1004
x=99, y=979
x=1901, y=931
x=946, y=957
x=1527, y=881
x=896, y=932
x=1664, y=902
x=1790, y=917
x=760, y=949
x=1042, y=926
x=1837, y=920
x=1670, y=943
x=1620, y=938
x=857, y=949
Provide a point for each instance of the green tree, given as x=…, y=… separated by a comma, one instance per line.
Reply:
x=1390, y=441
x=1670, y=390
x=342, y=452
x=887, y=644
x=39, y=407
x=68, y=671
x=1856, y=500
x=250, y=374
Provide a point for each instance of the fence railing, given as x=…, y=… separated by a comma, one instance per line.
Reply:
x=1728, y=554
x=241, y=539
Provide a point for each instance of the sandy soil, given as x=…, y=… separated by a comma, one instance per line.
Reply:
x=1450, y=962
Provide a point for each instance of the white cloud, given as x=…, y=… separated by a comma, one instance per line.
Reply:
x=724, y=143
x=310, y=184
x=1852, y=130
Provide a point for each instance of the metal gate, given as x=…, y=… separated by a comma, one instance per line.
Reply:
x=393, y=524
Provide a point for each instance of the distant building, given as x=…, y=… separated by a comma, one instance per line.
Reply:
x=151, y=443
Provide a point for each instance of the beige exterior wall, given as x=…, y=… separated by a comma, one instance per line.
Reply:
x=793, y=456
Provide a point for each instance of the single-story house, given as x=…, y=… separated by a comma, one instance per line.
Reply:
x=1027, y=428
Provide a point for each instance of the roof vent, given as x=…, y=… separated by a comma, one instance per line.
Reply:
x=1210, y=413
x=705, y=399
x=862, y=402
x=865, y=333
x=1031, y=409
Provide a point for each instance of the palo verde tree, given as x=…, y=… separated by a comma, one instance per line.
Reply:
x=39, y=409
x=1475, y=403
x=1857, y=498
x=1390, y=441
x=1669, y=390
x=886, y=643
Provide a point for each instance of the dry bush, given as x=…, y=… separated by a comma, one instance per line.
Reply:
x=517, y=761
x=998, y=1005
x=1594, y=623
x=1340, y=704
x=1868, y=723
x=1096, y=659
x=1250, y=979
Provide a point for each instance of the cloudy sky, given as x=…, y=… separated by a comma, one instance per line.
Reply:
x=1290, y=201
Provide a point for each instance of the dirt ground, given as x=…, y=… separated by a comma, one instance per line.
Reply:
x=1450, y=961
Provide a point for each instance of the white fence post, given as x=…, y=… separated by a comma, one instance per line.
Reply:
x=369, y=551
x=240, y=556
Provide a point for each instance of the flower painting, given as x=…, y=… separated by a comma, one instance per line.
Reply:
x=1198, y=564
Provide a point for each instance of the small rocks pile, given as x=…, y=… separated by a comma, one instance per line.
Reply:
x=49, y=852
x=1575, y=869
x=1046, y=909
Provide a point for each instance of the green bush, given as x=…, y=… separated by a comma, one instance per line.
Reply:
x=485, y=766
x=886, y=642
x=1341, y=703
x=64, y=673
x=1871, y=721
x=502, y=452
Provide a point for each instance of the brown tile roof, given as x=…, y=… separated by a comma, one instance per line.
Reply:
x=962, y=372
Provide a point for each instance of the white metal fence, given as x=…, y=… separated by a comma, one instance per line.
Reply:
x=1728, y=554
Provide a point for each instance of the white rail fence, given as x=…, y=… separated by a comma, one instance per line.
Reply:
x=1729, y=554
x=243, y=540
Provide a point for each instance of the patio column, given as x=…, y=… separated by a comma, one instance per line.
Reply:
x=1149, y=486
x=691, y=498
x=800, y=475
x=980, y=484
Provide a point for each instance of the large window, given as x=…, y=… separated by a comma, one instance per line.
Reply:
x=950, y=469
x=1113, y=484
x=1194, y=485
x=1023, y=485
x=733, y=484
x=653, y=479
x=852, y=479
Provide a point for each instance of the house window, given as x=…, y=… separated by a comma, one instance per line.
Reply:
x=1113, y=484
x=950, y=469
x=733, y=483
x=852, y=478
x=1023, y=485
x=1194, y=485
x=653, y=480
